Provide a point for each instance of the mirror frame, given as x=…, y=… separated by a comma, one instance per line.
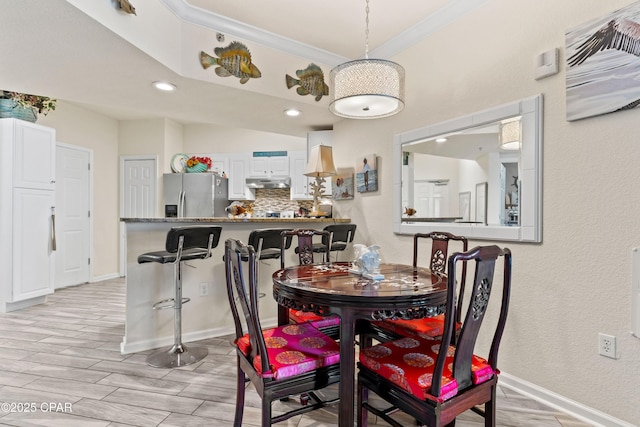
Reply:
x=530, y=228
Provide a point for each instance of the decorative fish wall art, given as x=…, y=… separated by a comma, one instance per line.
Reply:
x=126, y=6
x=233, y=60
x=310, y=81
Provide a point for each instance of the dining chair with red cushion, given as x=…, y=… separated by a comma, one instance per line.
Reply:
x=280, y=362
x=436, y=379
x=385, y=330
x=309, y=253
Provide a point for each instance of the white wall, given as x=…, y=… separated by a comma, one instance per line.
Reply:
x=577, y=282
x=219, y=139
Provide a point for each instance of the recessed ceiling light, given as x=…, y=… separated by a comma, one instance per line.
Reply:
x=292, y=112
x=164, y=86
x=441, y=140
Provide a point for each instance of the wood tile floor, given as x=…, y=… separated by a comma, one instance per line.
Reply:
x=61, y=366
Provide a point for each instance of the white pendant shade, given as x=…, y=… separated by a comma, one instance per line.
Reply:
x=320, y=162
x=367, y=89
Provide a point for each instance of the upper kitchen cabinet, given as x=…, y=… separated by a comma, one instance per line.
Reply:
x=220, y=164
x=299, y=181
x=269, y=166
x=239, y=165
x=33, y=153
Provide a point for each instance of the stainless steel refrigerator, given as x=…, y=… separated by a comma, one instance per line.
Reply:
x=194, y=195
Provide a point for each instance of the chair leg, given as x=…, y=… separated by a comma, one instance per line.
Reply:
x=363, y=397
x=240, y=390
x=490, y=409
x=266, y=410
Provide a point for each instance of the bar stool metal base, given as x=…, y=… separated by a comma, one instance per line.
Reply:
x=176, y=356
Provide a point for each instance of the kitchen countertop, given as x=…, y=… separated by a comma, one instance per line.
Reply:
x=217, y=220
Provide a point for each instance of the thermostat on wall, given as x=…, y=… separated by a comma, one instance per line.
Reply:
x=546, y=64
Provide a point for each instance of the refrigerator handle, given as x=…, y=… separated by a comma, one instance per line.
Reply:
x=53, y=228
x=181, y=204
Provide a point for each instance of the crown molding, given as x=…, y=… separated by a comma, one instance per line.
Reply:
x=451, y=12
x=228, y=26
x=412, y=35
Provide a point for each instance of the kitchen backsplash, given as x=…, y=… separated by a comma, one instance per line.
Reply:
x=276, y=199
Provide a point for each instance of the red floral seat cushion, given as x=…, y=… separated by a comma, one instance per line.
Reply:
x=409, y=363
x=293, y=350
x=429, y=327
x=299, y=316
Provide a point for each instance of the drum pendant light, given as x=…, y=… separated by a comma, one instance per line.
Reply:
x=367, y=88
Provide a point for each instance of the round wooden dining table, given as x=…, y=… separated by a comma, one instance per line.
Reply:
x=404, y=292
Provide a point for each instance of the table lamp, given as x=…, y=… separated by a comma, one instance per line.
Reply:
x=320, y=165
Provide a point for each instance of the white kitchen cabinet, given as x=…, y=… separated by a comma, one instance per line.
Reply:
x=239, y=164
x=34, y=156
x=27, y=201
x=269, y=166
x=220, y=165
x=299, y=181
x=33, y=266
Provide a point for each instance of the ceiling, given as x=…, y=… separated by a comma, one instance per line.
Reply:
x=55, y=49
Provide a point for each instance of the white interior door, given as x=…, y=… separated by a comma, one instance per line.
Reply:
x=431, y=198
x=138, y=195
x=73, y=215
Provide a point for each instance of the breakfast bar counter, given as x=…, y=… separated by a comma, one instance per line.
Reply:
x=207, y=314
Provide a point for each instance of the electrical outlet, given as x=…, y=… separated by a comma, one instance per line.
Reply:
x=204, y=289
x=607, y=345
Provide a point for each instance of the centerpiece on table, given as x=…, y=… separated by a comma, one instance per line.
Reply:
x=24, y=106
x=367, y=261
x=198, y=164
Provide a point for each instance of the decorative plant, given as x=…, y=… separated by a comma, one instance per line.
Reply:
x=43, y=104
x=194, y=160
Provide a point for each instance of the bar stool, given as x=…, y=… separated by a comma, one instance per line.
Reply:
x=341, y=236
x=183, y=244
x=266, y=243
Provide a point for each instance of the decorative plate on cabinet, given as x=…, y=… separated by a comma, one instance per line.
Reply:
x=179, y=162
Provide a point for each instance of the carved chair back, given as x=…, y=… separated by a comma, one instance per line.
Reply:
x=243, y=296
x=438, y=260
x=485, y=258
x=305, y=246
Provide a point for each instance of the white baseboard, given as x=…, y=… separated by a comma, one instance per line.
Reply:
x=143, y=345
x=104, y=277
x=549, y=398
x=7, y=307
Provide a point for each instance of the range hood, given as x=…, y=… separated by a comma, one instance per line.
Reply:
x=275, y=182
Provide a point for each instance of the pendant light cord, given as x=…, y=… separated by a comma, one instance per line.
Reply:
x=366, y=32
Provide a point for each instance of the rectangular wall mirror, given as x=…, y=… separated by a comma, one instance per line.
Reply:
x=478, y=175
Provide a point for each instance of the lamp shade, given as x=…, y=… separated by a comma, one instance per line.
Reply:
x=367, y=89
x=320, y=162
x=510, y=135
